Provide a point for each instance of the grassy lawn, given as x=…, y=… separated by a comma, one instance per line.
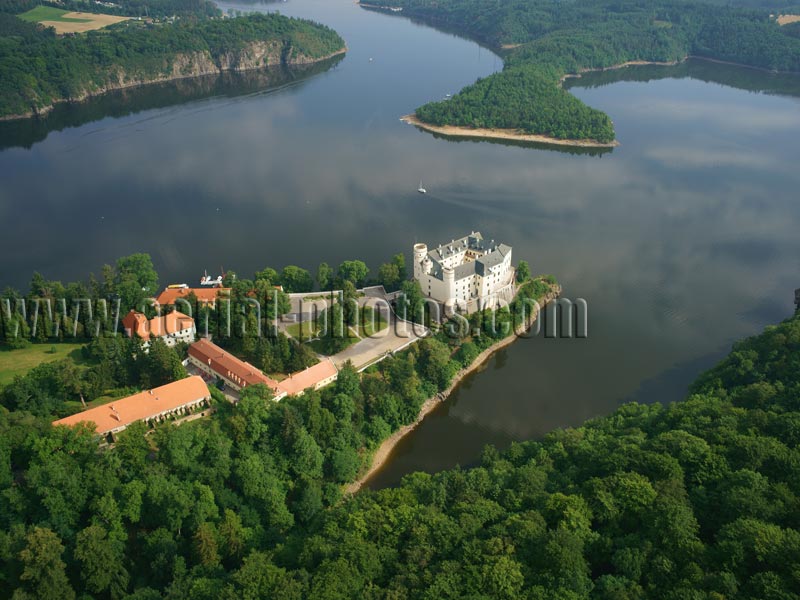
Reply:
x=367, y=328
x=19, y=362
x=48, y=13
x=304, y=330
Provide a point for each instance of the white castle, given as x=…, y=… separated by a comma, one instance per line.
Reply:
x=467, y=274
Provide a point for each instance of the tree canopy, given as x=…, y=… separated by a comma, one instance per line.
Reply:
x=697, y=499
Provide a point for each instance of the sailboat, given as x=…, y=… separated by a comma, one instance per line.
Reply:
x=421, y=189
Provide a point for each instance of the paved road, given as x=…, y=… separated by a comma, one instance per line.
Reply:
x=367, y=351
x=396, y=336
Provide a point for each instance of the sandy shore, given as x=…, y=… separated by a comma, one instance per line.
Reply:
x=384, y=451
x=503, y=134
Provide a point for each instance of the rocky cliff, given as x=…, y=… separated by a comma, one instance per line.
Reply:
x=252, y=56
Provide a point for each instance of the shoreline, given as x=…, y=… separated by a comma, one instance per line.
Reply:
x=45, y=110
x=503, y=134
x=384, y=451
x=740, y=65
x=672, y=63
x=516, y=135
x=623, y=65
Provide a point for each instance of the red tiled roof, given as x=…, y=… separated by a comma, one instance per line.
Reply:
x=308, y=378
x=137, y=323
x=228, y=366
x=204, y=295
x=144, y=405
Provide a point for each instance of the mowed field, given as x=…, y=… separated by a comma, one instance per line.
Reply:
x=69, y=22
x=19, y=362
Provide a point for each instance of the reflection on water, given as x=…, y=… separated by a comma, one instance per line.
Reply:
x=681, y=240
x=120, y=103
x=588, y=151
x=754, y=80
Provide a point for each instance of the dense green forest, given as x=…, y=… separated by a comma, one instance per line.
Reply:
x=175, y=513
x=694, y=500
x=38, y=68
x=545, y=40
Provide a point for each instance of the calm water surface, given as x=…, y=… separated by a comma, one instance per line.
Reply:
x=681, y=240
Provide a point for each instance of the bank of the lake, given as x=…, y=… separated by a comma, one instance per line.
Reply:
x=670, y=63
x=250, y=58
x=503, y=134
x=384, y=451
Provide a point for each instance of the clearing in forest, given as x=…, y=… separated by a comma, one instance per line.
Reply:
x=786, y=19
x=69, y=22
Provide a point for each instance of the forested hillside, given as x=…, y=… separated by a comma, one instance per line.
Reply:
x=695, y=500
x=178, y=511
x=38, y=68
x=546, y=40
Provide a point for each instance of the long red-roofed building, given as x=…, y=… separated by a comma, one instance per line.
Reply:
x=204, y=295
x=237, y=373
x=314, y=377
x=176, y=398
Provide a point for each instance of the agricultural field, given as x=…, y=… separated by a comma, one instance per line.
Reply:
x=69, y=22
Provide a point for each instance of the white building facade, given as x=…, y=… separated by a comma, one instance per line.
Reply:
x=467, y=274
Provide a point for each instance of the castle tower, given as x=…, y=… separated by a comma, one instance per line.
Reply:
x=449, y=279
x=420, y=254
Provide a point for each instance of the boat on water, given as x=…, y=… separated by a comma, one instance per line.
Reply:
x=207, y=281
x=421, y=189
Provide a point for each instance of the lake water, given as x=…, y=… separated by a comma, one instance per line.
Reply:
x=681, y=240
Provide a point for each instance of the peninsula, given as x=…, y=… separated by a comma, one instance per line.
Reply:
x=543, y=42
x=698, y=497
x=39, y=69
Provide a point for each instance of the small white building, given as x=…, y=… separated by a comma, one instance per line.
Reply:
x=467, y=274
